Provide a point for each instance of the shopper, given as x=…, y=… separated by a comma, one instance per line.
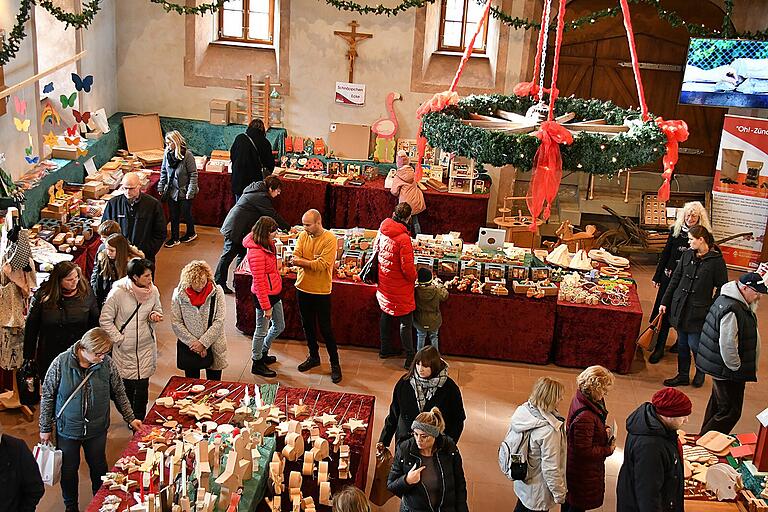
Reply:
x=198, y=310
x=62, y=309
x=178, y=186
x=427, y=318
x=255, y=203
x=20, y=476
x=690, y=215
x=651, y=477
x=426, y=385
x=538, y=423
x=728, y=350
x=110, y=265
x=427, y=472
x=252, y=159
x=590, y=441
x=397, y=275
x=266, y=287
x=139, y=215
x=407, y=191
x=131, y=308
x=75, y=400
x=315, y=255
x=695, y=283
x=351, y=499
x=106, y=228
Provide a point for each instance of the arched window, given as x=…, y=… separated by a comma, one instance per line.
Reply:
x=247, y=21
x=458, y=21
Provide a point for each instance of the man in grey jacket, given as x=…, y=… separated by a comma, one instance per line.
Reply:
x=730, y=349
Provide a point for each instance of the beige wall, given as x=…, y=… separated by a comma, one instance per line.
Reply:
x=151, y=49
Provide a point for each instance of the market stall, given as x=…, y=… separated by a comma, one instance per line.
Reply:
x=287, y=408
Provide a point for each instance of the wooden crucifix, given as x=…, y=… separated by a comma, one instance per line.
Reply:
x=352, y=37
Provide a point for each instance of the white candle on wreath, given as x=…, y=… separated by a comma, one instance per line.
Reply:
x=183, y=473
x=161, y=468
x=257, y=395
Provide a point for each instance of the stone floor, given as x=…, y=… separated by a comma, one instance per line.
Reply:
x=491, y=389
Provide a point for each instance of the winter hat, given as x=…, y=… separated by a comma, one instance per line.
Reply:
x=672, y=403
x=402, y=158
x=754, y=281
x=424, y=275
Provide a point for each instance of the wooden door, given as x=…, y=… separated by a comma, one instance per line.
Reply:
x=594, y=63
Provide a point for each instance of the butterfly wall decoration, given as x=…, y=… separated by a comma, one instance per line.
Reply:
x=72, y=131
x=22, y=126
x=48, y=88
x=20, y=105
x=82, y=84
x=73, y=141
x=32, y=160
x=68, y=101
x=85, y=117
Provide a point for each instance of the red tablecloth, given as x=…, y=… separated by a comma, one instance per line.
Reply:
x=212, y=203
x=512, y=328
x=85, y=257
x=354, y=405
x=604, y=335
x=298, y=196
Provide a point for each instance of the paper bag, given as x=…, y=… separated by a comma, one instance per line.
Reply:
x=48, y=460
x=379, y=492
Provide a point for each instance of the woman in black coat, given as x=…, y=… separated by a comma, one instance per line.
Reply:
x=692, y=290
x=692, y=214
x=111, y=263
x=62, y=310
x=427, y=473
x=251, y=156
x=426, y=385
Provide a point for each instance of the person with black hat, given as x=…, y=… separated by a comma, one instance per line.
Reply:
x=651, y=477
x=427, y=318
x=728, y=350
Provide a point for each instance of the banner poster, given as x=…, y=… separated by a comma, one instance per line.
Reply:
x=350, y=94
x=740, y=189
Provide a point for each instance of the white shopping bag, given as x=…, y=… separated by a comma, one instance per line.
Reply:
x=48, y=460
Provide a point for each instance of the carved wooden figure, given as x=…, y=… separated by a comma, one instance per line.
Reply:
x=294, y=446
x=308, y=467
x=320, y=449
x=322, y=471
x=325, y=494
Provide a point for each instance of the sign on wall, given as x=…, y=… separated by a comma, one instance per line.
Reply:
x=350, y=94
x=740, y=189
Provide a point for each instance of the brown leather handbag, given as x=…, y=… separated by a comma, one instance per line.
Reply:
x=648, y=338
x=379, y=492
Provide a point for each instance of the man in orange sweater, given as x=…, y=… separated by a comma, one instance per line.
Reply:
x=315, y=255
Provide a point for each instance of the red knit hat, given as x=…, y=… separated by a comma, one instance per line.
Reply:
x=671, y=403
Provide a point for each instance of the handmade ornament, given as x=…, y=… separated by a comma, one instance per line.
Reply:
x=385, y=130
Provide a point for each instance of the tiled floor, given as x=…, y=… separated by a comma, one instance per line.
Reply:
x=491, y=389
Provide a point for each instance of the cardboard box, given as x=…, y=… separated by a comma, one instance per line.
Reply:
x=64, y=152
x=219, y=114
x=220, y=154
x=49, y=213
x=350, y=141
x=143, y=133
x=216, y=165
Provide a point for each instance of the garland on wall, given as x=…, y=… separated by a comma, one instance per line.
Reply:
x=593, y=153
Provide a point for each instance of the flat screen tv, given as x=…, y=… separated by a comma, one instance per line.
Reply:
x=726, y=73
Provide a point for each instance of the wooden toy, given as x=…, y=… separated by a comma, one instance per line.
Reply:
x=322, y=471
x=326, y=419
x=325, y=494
x=300, y=409
x=320, y=449
x=354, y=424
x=308, y=467
x=274, y=504
x=294, y=446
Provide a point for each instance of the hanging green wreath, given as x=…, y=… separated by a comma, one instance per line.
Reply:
x=593, y=153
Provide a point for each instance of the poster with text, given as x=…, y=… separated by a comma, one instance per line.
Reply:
x=350, y=94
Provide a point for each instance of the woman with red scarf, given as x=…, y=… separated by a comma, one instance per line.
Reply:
x=197, y=318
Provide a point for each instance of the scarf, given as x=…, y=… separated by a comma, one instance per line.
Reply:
x=198, y=298
x=425, y=388
x=142, y=294
x=171, y=157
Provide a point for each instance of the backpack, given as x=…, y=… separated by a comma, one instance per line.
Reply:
x=513, y=454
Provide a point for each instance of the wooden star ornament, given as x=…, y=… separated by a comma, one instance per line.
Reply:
x=354, y=424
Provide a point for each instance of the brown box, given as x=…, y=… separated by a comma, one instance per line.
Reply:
x=220, y=112
x=48, y=213
x=59, y=206
x=220, y=154
x=350, y=141
x=64, y=152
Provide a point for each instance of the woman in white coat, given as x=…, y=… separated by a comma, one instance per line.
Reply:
x=538, y=422
x=129, y=313
x=197, y=318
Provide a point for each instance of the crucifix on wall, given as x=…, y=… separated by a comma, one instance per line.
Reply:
x=352, y=37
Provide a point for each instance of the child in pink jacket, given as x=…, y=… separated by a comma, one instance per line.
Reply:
x=405, y=188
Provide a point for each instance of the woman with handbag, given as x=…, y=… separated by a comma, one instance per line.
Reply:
x=62, y=309
x=251, y=156
x=128, y=315
x=197, y=318
x=538, y=422
x=110, y=265
x=266, y=286
x=178, y=186
x=427, y=473
x=692, y=214
x=75, y=401
x=692, y=289
x=590, y=441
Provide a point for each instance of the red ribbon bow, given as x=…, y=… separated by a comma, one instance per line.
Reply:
x=676, y=131
x=530, y=89
x=547, y=169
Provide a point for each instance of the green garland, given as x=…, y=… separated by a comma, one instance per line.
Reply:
x=13, y=43
x=183, y=9
x=347, y=5
x=593, y=153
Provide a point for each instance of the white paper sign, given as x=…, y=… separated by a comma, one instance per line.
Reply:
x=350, y=94
x=90, y=167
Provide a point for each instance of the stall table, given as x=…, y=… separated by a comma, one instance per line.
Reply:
x=518, y=329
x=323, y=402
x=85, y=256
x=211, y=205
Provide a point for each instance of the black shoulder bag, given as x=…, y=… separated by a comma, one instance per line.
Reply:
x=188, y=360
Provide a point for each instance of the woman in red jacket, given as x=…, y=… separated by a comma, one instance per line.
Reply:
x=266, y=287
x=590, y=442
x=397, y=277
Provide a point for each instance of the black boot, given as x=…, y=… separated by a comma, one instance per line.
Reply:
x=335, y=373
x=268, y=359
x=698, y=379
x=259, y=368
x=677, y=380
x=310, y=363
x=657, y=353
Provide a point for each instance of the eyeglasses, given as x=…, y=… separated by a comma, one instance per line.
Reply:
x=416, y=435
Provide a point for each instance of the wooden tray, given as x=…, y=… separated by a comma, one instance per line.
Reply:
x=716, y=442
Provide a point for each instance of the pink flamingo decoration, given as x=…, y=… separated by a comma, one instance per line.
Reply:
x=385, y=130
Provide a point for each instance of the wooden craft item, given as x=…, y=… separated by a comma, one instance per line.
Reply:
x=308, y=504
x=354, y=424
x=296, y=502
x=255, y=458
x=294, y=480
x=294, y=446
x=226, y=406
x=308, y=467
x=300, y=409
x=276, y=474
x=287, y=427
x=715, y=441
x=322, y=471
x=724, y=481
x=230, y=478
x=343, y=462
x=352, y=37
x=325, y=494
x=245, y=469
x=698, y=454
x=320, y=449
x=274, y=503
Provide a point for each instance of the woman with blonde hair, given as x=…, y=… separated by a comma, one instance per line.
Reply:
x=432, y=460
x=197, y=317
x=178, y=186
x=539, y=430
x=590, y=441
x=110, y=265
x=351, y=499
x=692, y=214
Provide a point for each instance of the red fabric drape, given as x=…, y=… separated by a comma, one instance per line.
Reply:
x=676, y=132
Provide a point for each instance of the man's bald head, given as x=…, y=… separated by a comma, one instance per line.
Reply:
x=312, y=222
x=131, y=184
